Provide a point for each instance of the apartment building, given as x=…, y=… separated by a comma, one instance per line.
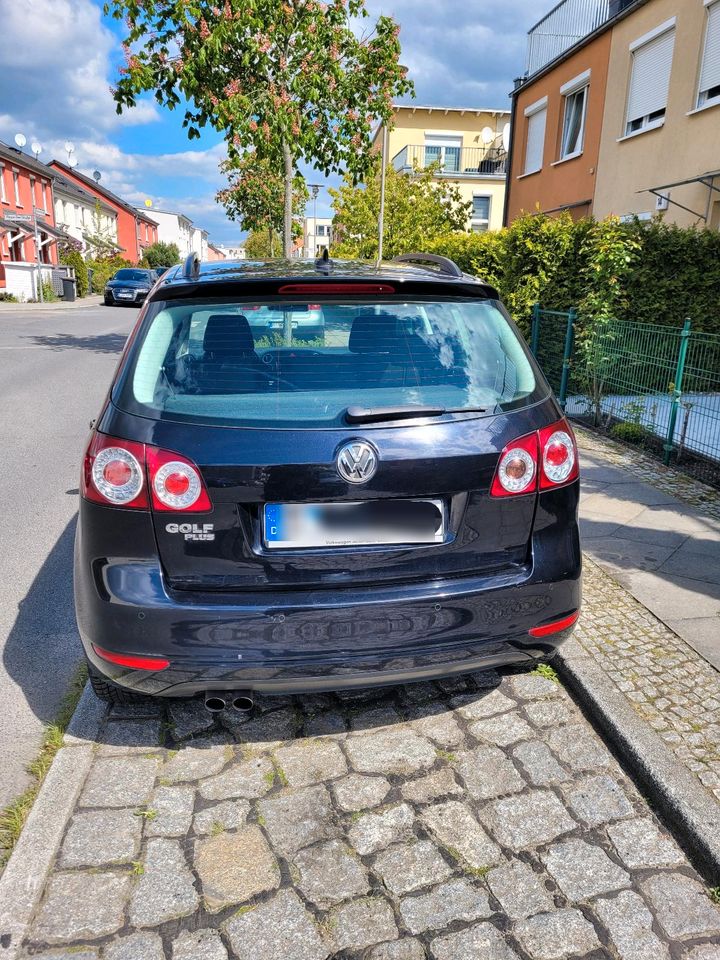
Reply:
x=86, y=218
x=135, y=230
x=317, y=234
x=468, y=144
x=618, y=113
x=28, y=233
x=175, y=228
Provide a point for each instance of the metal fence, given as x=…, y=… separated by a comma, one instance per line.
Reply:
x=662, y=381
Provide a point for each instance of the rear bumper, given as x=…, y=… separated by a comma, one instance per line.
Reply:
x=298, y=642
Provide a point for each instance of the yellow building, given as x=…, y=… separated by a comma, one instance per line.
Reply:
x=661, y=126
x=469, y=144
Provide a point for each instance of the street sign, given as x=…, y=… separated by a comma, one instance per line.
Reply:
x=18, y=217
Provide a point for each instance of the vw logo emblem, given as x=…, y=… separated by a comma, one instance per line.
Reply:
x=357, y=461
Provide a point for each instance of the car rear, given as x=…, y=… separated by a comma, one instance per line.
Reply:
x=392, y=500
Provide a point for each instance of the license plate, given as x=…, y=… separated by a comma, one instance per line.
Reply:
x=126, y=294
x=367, y=523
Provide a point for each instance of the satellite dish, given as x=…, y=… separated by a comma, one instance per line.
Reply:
x=487, y=135
x=69, y=146
x=72, y=161
x=36, y=148
x=97, y=176
x=20, y=140
x=506, y=136
x=148, y=202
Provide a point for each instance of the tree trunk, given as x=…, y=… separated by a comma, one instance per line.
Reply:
x=287, y=219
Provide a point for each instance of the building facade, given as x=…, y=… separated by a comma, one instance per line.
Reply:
x=469, y=145
x=175, y=228
x=87, y=219
x=28, y=232
x=317, y=235
x=200, y=242
x=623, y=121
x=135, y=230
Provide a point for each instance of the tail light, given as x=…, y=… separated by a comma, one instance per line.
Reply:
x=123, y=473
x=129, y=660
x=517, y=468
x=558, y=453
x=546, y=629
x=176, y=483
x=114, y=472
x=548, y=456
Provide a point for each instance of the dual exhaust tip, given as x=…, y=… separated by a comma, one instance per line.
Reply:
x=217, y=702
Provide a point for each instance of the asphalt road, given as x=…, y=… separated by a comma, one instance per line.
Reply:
x=55, y=367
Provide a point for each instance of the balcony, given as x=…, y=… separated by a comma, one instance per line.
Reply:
x=564, y=26
x=454, y=162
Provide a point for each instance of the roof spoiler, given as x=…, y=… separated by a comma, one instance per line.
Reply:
x=447, y=266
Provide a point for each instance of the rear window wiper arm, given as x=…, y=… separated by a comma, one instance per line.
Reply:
x=380, y=414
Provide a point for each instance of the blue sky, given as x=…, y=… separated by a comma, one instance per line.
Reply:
x=59, y=57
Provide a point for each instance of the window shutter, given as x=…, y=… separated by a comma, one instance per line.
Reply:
x=535, y=141
x=650, y=80
x=710, y=74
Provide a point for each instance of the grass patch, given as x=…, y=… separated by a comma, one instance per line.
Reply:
x=545, y=670
x=13, y=817
x=147, y=813
x=714, y=893
x=446, y=756
x=138, y=868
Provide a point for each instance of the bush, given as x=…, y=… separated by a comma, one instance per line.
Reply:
x=73, y=258
x=103, y=269
x=8, y=297
x=161, y=255
x=629, y=433
x=48, y=294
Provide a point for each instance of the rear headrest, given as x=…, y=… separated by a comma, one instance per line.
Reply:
x=375, y=334
x=228, y=335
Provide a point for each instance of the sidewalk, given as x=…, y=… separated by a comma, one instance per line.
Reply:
x=659, y=537
x=94, y=300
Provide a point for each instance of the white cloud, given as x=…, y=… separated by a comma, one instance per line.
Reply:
x=55, y=68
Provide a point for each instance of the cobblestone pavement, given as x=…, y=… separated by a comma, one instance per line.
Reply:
x=672, y=688
x=469, y=819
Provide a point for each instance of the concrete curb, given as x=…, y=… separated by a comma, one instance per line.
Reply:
x=23, y=881
x=92, y=301
x=690, y=812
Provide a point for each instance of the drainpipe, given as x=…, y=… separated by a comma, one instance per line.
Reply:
x=519, y=81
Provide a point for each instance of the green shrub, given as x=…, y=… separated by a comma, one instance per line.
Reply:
x=103, y=269
x=629, y=433
x=73, y=258
x=8, y=297
x=48, y=294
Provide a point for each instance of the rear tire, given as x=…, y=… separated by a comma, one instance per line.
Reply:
x=109, y=692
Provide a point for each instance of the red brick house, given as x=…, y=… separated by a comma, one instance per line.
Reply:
x=26, y=196
x=135, y=230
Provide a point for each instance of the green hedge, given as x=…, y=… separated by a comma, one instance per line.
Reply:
x=104, y=269
x=648, y=272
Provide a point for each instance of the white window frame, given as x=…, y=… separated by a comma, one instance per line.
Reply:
x=3, y=194
x=16, y=186
x=481, y=222
x=540, y=106
x=650, y=121
x=443, y=141
x=703, y=100
x=579, y=84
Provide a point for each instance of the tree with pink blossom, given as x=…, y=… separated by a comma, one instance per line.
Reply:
x=291, y=80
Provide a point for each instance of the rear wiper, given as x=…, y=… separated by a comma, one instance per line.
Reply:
x=378, y=414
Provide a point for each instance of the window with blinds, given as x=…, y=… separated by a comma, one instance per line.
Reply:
x=480, y=221
x=535, y=146
x=650, y=82
x=710, y=70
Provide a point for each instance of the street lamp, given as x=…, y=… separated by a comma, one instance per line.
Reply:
x=315, y=188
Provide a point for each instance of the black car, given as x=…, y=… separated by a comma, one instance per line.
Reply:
x=392, y=501
x=129, y=285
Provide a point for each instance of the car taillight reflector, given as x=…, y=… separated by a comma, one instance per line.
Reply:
x=558, y=455
x=370, y=289
x=128, y=660
x=176, y=483
x=555, y=627
x=113, y=472
x=517, y=468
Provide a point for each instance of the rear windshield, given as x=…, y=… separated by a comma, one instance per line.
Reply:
x=302, y=364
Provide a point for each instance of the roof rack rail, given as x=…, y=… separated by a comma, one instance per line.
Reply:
x=191, y=267
x=447, y=266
